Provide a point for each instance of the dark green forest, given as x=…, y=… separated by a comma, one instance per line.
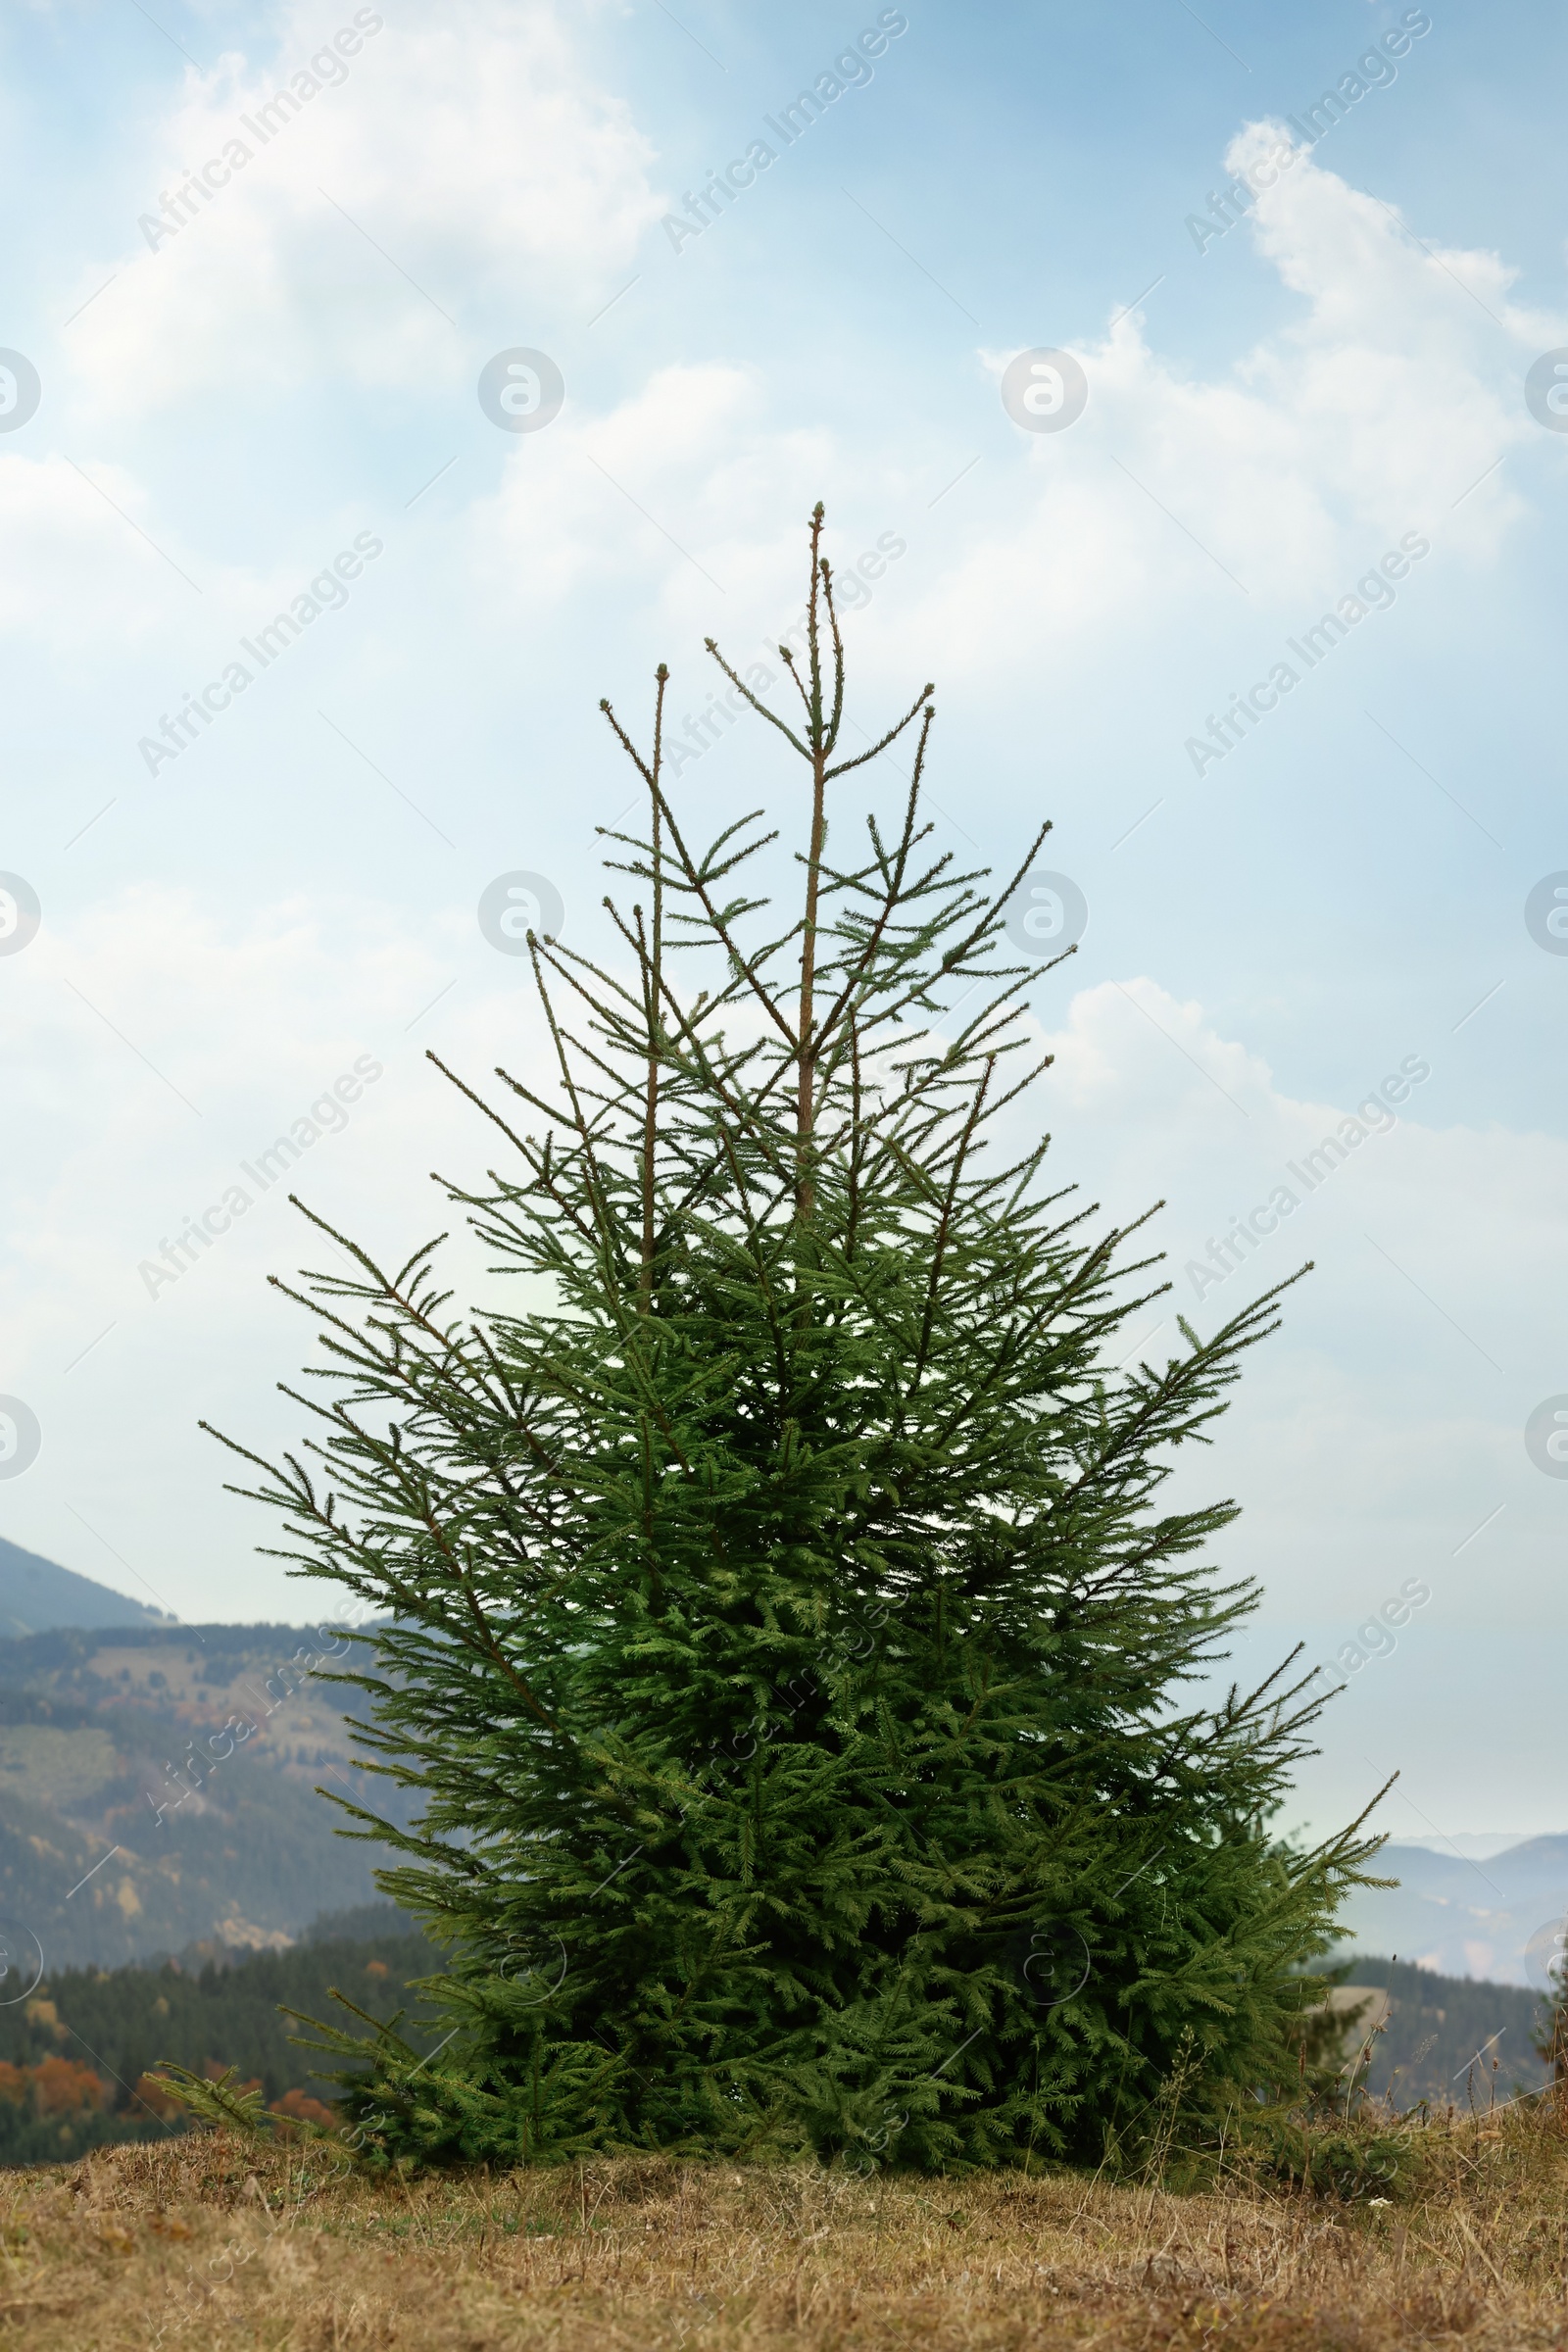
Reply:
x=73, y=2056
x=1456, y=2039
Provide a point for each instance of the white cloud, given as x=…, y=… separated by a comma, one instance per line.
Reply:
x=1366, y=417
x=1132, y=1060
x=470, y=145
x=70, y=566
x=85, y=556
x=157, y=1047
x=1386, y=1421
x=692, y=448
x=1296, y=469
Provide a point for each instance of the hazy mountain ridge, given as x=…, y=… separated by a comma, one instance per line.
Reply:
x=1460, y=1916
x=37, y=1595
x=158, y=1786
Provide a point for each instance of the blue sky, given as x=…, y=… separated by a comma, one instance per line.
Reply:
x=227, y=411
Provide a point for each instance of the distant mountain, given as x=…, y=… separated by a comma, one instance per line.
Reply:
x=1445, y=2039
x=158, y=1790
x=1476, y=1845
x=1463, y=1916
x=36, y=1596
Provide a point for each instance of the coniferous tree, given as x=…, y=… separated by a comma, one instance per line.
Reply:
x=787, y=1643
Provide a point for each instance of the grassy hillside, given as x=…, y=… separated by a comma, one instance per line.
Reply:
x=214, y=2241
x=157, y=1785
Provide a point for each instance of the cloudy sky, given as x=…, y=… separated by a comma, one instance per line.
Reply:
x=269, y=254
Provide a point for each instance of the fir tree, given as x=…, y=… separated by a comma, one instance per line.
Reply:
x=784, y=1635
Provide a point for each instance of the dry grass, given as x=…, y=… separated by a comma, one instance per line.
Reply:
x=212, y=2242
